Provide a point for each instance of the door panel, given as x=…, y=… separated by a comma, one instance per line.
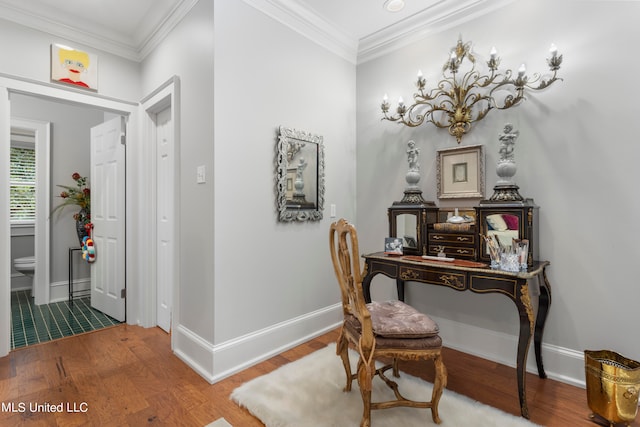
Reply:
x=108, y=217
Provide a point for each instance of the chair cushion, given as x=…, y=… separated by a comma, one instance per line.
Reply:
x=395, y=319
x=354, y=330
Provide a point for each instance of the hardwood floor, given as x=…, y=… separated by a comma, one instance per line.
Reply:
x=127, y=376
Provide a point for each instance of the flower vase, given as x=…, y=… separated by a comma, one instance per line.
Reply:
x=81, y=231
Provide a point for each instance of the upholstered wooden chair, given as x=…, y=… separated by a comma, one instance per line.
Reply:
x=390, y=331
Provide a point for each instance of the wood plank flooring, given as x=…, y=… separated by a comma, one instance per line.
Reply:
x=127, y=376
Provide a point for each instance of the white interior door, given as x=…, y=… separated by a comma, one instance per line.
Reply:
x=165, y=242
x=108, y=217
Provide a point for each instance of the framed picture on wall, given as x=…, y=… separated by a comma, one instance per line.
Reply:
x=74, y=67
x=460, y=172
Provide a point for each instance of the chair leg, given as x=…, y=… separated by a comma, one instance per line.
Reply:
x=342, y=349
x=438, y=385
x=365, y=378
x=396, y=370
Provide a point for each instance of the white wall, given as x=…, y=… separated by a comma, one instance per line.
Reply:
x=242, y=272
x=274, y=281
x=188, y=53
x=117, y=77
x=576, y=157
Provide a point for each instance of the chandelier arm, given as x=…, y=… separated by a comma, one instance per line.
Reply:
x=415, y=119
x=511, y=101
x=471, y=74
x=412, y=120
x=543, y=83
x=475, y=98
x=504, y=84
x=430, y=118
x=425, y=97
x=485, y=81
x=429, y=115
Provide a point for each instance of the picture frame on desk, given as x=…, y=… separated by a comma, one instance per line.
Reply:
x=393, y=246
x=460, y=172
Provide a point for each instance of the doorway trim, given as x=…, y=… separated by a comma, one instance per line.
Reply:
x=12, y=84
x=166, y=95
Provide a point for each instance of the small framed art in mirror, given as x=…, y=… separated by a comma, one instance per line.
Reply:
x=299, y=175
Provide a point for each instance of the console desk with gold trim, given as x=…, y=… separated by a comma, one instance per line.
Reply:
x=463, y=275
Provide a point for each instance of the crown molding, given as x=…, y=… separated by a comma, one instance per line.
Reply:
x=289, y=13
x=442, y=15
x=300, y=19
x=434, y=20
x=117, y=44
x=170, y=22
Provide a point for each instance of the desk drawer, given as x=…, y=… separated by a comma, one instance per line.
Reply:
x=459, y=238
x=464, y=252
x=435, y=277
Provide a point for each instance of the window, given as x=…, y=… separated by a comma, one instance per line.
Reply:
x=22, y=185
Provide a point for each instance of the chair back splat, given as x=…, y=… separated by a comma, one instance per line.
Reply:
x=389, y=330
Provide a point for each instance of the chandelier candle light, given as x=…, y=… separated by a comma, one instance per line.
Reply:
x=465, y=95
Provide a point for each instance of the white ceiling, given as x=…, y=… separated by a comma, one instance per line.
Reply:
x=360, y=18
x=131, y=28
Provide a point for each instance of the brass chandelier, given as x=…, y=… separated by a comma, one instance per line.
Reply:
x=465, y=96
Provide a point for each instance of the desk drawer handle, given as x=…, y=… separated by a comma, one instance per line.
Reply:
x=463, y=251
x=452, y=281
x=409, y=275
x=463, y=239
x=436, y=237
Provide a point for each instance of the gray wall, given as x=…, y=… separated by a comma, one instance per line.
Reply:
x=576, y=155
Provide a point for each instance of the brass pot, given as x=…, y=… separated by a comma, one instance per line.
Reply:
x=613, y=383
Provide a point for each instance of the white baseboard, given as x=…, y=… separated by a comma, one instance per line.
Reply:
x=193, y=350
x=216, y=362
x=59, y=291
x=20, y=282
x=559, y=363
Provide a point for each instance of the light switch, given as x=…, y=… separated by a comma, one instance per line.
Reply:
x=201, y=175
x=333, y=210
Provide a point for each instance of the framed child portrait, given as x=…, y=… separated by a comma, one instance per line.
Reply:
x=74, y=67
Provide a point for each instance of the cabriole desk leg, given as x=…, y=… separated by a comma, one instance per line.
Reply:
x=525, y=312
x=544, y=302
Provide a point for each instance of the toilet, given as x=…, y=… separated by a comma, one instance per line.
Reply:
x=25, y=265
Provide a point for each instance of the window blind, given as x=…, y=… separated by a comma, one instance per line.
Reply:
x=22, y=185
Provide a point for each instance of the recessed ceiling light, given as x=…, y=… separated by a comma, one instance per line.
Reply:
x=394, y=5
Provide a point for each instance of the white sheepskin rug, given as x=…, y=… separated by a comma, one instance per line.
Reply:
x=308, y=393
